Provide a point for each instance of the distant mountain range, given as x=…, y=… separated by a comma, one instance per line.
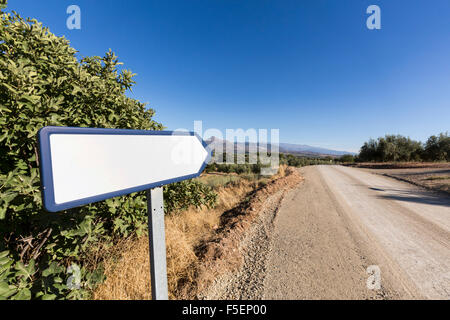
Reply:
x=302, y=150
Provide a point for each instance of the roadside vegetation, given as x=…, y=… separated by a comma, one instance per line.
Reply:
x=250, y=170
x=297, y=161
x=393, y=148
x=43, y=83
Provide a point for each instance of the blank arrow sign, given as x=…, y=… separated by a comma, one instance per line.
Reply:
x=84, y=165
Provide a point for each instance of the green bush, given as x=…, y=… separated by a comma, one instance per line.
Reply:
x=42, y=83
x=437, y=148
x=241, y=168
x=346, y=158
x=297, y=161
x=181, y=195
x=399, y=148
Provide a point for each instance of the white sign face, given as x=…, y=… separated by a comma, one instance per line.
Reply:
x=84, y=165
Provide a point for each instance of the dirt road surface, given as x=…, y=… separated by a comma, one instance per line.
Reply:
x=339, y=232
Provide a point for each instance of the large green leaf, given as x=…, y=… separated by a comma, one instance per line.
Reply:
x=6, y=290
x=23, y=294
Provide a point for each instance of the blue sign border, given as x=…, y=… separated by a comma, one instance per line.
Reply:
x=48, y=195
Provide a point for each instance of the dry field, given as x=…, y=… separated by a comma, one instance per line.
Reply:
x=190, y=237
x=434, y=176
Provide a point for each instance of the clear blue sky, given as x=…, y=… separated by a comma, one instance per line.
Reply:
x=309, y=68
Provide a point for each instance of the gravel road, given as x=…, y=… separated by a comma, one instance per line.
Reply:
x=338, y=233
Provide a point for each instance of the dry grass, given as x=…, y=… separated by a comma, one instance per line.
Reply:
x=218, y=180
x=127, y=264
x=127, y=270
x=438, y=178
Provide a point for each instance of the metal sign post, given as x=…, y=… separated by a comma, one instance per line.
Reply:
x=157, y=244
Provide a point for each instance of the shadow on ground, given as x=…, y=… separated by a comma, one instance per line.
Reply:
x=424, y=197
